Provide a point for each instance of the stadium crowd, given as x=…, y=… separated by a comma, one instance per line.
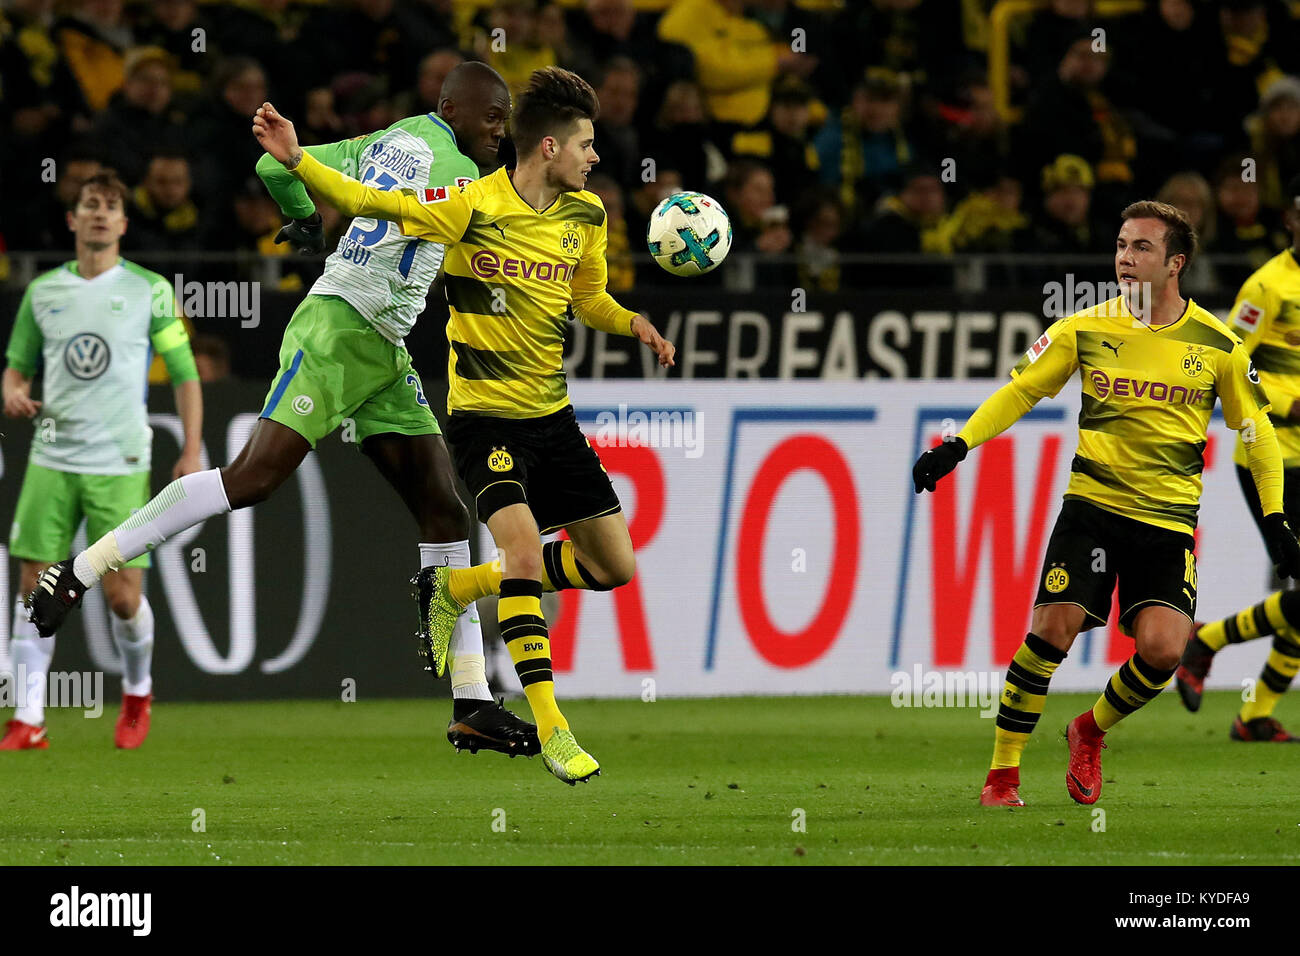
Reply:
x=825, y=127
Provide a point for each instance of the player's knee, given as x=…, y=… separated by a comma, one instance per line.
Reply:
x=618, y=572
x=247, y=486
x=1163, y=655
x=523, y=563
x=443, y=517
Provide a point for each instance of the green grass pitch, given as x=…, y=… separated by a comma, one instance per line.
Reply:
x=685, y=782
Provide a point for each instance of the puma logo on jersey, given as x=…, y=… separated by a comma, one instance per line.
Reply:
x=500, y=229
x=1113, y=348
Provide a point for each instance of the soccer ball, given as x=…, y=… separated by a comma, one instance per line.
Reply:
x=689, y=234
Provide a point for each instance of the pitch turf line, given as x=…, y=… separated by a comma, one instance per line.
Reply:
x=375, y=782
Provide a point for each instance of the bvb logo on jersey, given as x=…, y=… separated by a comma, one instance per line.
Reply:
x=1193, y=364
x=570, y=241
x=500, y=460
x=1057, y=580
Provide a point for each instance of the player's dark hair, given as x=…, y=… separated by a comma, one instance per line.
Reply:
x=1180, y=234
x=548, y=106
x=106, y=181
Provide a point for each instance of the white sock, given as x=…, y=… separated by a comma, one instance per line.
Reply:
x=31, y=654
x=467, y=665
x=185, y=502
x=134, y=640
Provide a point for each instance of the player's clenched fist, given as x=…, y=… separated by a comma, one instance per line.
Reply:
x=277, y=135
x=936, y=463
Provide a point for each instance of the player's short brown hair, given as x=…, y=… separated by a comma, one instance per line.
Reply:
x=105, y=181
x=1180, y=234
x=553, y=99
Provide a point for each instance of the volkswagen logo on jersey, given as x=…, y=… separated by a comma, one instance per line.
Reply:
x=86, y=356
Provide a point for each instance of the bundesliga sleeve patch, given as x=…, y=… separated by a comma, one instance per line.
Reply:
x=463, y=181
x=1248, y=315
x=1039, y=347
x=436, y=194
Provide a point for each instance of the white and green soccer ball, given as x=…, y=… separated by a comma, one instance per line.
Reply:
x=689, y=234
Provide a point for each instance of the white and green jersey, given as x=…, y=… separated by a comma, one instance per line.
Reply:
x=92, y=340
x=379, y=272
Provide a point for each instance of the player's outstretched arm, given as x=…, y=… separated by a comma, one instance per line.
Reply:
x=304, y=232
x=999, y=412
x=443, y=217
x=649, y=336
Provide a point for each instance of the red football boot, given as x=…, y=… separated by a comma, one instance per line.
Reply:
x=1002, y=788
x=1192, y=670
x=133, y=721
x=20, y=736
x=1261, y=729
x=1083, y=774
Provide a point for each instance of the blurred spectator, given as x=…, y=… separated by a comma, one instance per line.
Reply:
x=93, y=41
x=782, y=141
x=987, y=220
x=211, y=357
x=971, y=132
x=919, y=40
x=1070, y=113
x=908, y=222
x=320, y=122
x=428, y=84
x=622, y=271
x=1051, y=30
x=1244, y=226
x=617, y=139
x=1274, y=133
x=817, y=259
x=219, y=132
x=36, y=87
x=681, y=139
x=1190, y=192
x=604, y=29
x=163, y=214
x=187, y=35
x=1154, y=45
x=512, y=43
x=274, y=34
x=736, y=59
x=553, y=32
x=140, y=117
x=1252, y=53
x=757, y=222
x=1068, y=225
x=863, y=150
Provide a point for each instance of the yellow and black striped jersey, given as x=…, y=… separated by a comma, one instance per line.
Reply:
x=1148, y=392
x=512, y=275
x=1267, y=317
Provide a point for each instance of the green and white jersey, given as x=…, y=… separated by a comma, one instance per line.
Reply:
x=379, y=272
x=92, y=339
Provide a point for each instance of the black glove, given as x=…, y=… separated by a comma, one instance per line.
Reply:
x=1283, y=549
x=937, y=462
x=305, y=235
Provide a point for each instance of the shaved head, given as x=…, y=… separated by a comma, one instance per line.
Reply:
x=475, y=102
x=471, y=79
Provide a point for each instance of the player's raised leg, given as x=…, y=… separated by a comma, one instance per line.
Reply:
x=419, y=469
x=270, y=456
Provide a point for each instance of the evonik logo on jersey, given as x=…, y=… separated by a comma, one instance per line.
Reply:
x=487, y=264
x=1104, y=385
x=87, y=356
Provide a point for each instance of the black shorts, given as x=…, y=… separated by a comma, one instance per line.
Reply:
x=1290, y=496
x=546, y=463
x=1091, y=548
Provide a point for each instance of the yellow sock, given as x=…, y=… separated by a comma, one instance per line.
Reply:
x=1281, y=667
x=1023, y=697
x=470, y=584
x=1261, y=620
x=1133, y=685
x=561, y=569
x=523, y=628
